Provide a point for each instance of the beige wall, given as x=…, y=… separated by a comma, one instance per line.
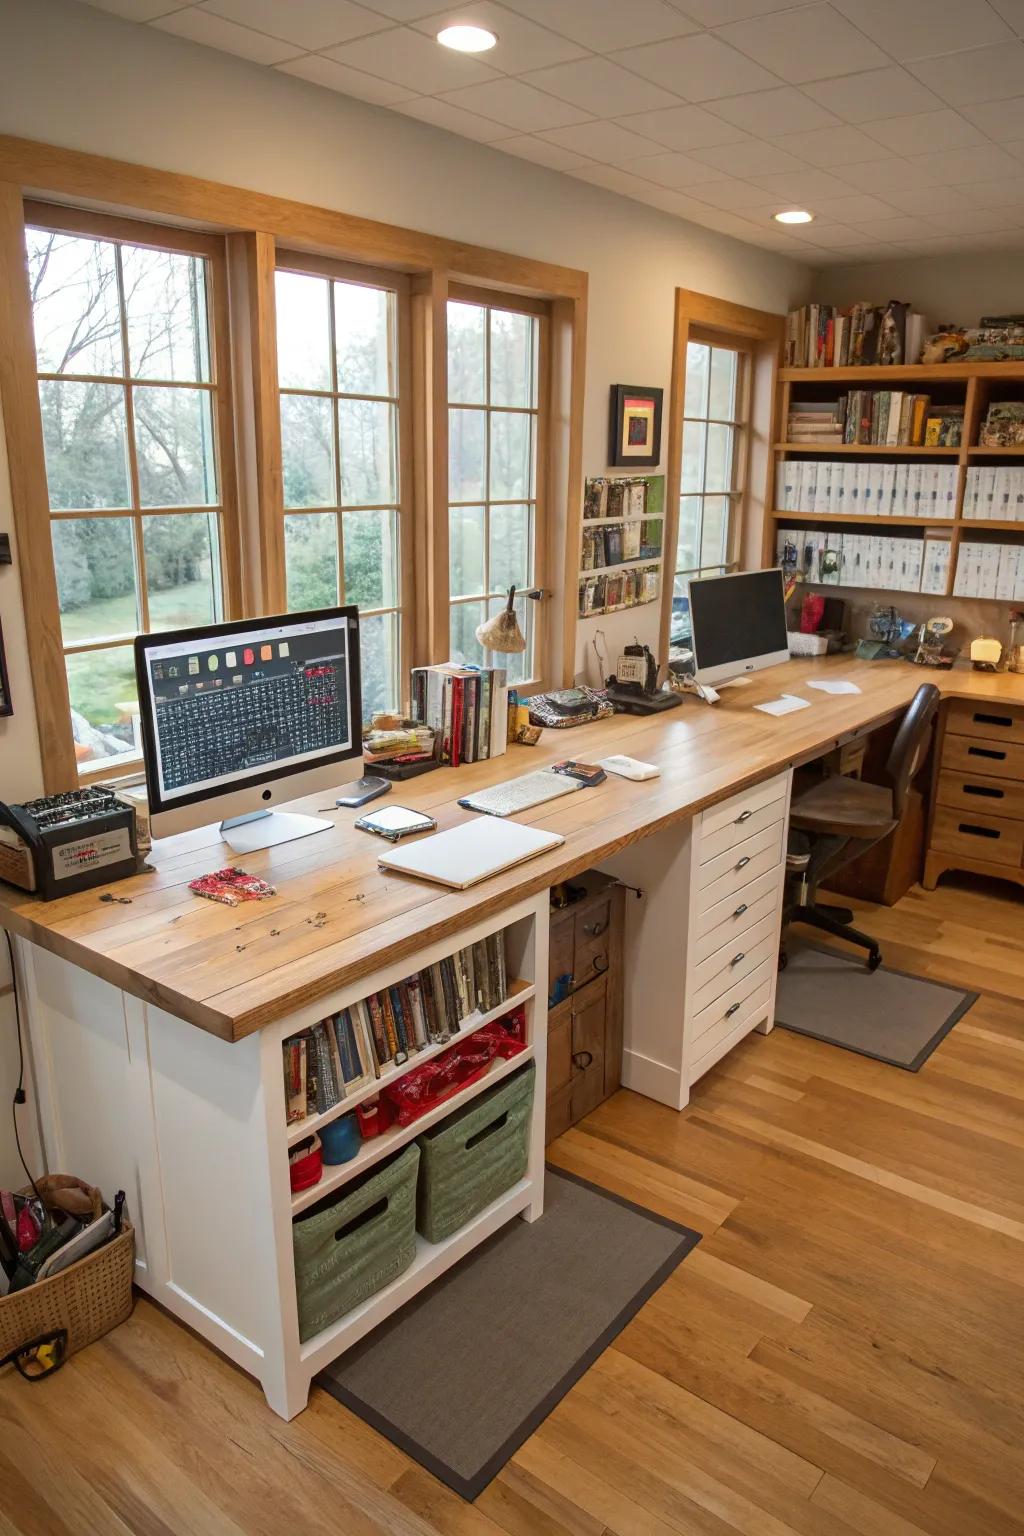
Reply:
x=946, y=288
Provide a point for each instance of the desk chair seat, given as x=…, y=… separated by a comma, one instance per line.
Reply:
x=833, y=820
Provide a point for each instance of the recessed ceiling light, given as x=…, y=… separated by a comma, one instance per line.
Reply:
x=793, y=216
x=466, y=39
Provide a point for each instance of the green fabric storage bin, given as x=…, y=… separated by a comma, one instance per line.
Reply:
x=353, y=1247
x=474, y=1156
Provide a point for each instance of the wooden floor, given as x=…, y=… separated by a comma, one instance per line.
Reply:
x=844, y=1352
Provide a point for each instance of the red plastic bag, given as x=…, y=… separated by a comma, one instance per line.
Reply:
x=420, y=1090
x=812, y=612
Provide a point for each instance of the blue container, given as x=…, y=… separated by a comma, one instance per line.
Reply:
x=340, y=1140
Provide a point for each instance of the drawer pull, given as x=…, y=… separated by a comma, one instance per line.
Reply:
x=1004, y=720
x=972, y=831
x=744, y=861
x=992, y=752
x=583, y=1059
x=599, y=964
x=742, y=817
x=986, y=790
x=737, y=958
x=740, y=909
x=594, y=930
x=730, y=1010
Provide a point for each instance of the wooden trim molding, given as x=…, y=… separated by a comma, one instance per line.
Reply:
x=30, y=499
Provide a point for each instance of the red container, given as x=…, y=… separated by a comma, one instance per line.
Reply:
x=305, y=1163
x=374, y=1118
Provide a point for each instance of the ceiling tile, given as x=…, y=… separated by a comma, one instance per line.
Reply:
x=854, y=208
x=875, y=93
x=1012, y=12
x=1014, y=147
x=214, y=32
x=933, y=202
x=715, y=13
x=674, y=170
x=441, y=114
x=977, y=74
x=918, y=29
x=924, y=132
x=883, y=176
x=683, y=128
x=750, y=157
x=613, y=178
x=521, y=44
x=901, y=227
x=1005, y=191
x=799, y=185
x=697, y=68
x=731, y=193
x=979, y=221
x=830, y=146
x=606, y=142
x=308, y=24
x=957, y=165
x=679, y=203
x=409, y=58
x=812, y=45
x=770, y=113
x=350, y=82
x=599, y=86
x=606, y=24
x=833, y=237
x=1001, y=120
x=516, y=105
x=402, y=10
x=539, y=150
x=137, y=10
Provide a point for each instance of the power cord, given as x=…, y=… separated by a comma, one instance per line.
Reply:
x=19, y=1092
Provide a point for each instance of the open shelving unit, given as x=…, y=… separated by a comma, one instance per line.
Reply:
x=525, y=930
x=975, y=385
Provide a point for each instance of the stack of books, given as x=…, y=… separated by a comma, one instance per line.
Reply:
x=875, y=488
x=824, y=336
x=328, y=1062
x=466, y=707
x=817, y=421
x=888, y=418
x=990, y=570
x=995, y=491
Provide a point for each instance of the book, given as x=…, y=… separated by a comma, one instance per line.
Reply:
x=295, y=1079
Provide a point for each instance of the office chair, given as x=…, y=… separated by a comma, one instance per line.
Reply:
x=834, y=820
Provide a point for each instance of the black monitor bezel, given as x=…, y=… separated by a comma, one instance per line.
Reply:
x=147, y=642
x=731, y=576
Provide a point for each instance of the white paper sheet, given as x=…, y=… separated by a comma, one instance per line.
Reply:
x=784, y=706
x=840, y=685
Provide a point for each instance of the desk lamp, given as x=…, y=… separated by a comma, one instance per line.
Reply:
x=502, y=632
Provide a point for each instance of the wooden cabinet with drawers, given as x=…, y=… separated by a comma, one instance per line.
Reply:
x=585, y=1028
x=977, y=810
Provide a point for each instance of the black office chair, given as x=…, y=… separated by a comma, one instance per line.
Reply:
x=834, y=820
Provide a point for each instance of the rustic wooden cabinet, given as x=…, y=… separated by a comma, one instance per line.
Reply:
x=585, y=1027
x=977, y=810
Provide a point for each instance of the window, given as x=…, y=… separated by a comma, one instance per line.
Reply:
x=493, y=424
x=337, y=358
x=128, y=392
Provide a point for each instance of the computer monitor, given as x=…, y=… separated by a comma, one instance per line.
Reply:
x=238, y=716
x=739, y=624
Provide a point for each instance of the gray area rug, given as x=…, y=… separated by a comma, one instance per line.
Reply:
x=465, y=1373
x=883, y=1014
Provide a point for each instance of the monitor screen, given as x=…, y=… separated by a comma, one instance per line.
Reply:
x=737, y=619
x=230, y=705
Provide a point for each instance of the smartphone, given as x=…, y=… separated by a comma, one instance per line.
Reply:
x=369, y=787
x=395, y=822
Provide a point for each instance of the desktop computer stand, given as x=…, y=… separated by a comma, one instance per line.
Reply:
x=265, y=829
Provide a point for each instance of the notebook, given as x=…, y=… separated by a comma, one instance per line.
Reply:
x=474, y=851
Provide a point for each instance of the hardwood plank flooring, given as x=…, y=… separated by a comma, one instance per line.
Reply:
x=839, y=1357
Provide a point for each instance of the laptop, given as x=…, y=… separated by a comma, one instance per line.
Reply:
x=466, y=854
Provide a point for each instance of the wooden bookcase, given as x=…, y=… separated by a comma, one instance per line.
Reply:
x=974, y=385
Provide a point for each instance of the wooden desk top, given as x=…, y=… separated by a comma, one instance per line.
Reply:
x=336, y=917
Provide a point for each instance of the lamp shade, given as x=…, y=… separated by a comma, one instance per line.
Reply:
x=502, y=632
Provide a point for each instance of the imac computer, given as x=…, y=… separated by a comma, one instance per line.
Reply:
x=739, y=624
x=236, y=717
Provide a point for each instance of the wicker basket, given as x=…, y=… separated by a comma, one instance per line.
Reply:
x=88, y=1298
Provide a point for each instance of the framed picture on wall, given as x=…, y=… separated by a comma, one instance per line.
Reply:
x=634, y=427
x=6, y=707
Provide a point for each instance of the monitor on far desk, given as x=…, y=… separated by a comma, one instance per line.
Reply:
x=739, y=624
x=238, y=716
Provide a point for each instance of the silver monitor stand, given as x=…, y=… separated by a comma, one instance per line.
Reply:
x=265, y=829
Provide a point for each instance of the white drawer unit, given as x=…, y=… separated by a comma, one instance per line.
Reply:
x=703, y=940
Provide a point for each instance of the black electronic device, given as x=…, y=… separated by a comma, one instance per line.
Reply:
x=64, y=843
x=634, y=688
x=363, y=790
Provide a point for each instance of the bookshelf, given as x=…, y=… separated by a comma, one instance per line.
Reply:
x=972, y=386
x=620, y=502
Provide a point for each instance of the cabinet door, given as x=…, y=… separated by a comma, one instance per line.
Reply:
x=593, y=933
x=589, y=1023
x=560, y=1046
x=560, y=953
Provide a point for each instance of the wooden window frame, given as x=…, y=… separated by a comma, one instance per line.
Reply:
x=89, y=224
x=400, y=285
x=757, y=335
x=252, y=225
x=541, y=311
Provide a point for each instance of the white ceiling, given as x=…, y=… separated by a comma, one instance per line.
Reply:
x=899, y=123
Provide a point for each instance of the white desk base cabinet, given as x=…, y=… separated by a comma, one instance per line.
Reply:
x=702, y=943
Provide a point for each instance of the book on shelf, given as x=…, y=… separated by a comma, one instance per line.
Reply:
x=830, y=557
x=620, y=589
x=1004, y=425
x=995, y=491
x=623, y=496
x=466, y=708
x=876, y=488
x=860, y=335
x=333, y=1058
x=869, y=418
x=993, y=571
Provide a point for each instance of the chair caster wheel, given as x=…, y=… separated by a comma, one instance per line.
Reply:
x=874, y=961
x=783, y=959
